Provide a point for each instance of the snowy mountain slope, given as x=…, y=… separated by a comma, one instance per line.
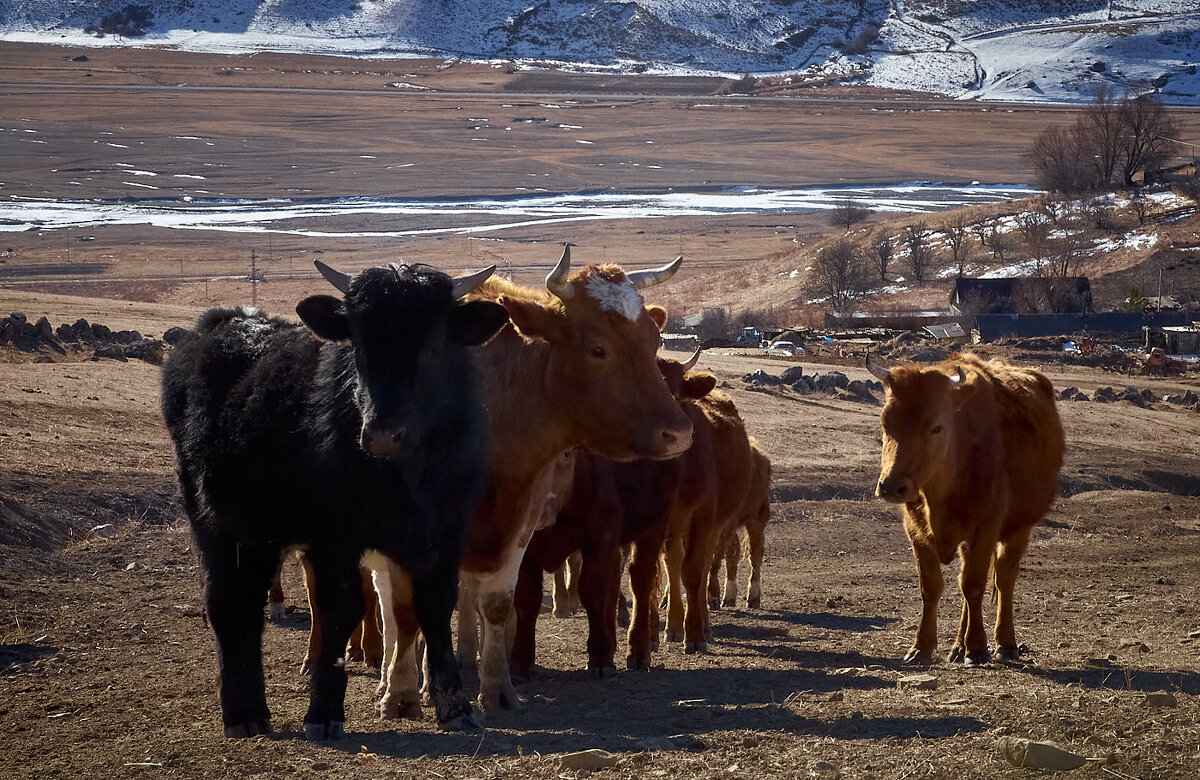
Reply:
x=1037, y=50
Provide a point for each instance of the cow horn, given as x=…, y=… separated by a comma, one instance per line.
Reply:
x=556, y=280
x=651, y=276
x=880, y=373
x=692, y=361
x=469, y=283
x=336, y=278
x=959, y=379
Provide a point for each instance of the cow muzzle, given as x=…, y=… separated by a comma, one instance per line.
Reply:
x=669, y=441
x=387, y=441
x=896, y=490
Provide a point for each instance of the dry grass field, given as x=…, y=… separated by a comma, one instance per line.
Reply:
x=107, y=667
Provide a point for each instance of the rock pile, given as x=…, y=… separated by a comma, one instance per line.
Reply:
x=16, y=330
x=833, y=383
x=1143, y=398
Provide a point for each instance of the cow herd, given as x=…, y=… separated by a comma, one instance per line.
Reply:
x=430, y=443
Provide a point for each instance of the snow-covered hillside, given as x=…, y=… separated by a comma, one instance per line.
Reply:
x=1025, y=50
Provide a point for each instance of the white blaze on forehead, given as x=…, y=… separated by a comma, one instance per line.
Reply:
x=623, y=298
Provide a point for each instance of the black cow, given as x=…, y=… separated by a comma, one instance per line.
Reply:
x=369, y=436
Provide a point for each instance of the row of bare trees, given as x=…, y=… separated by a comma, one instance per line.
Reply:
x=1113, y=140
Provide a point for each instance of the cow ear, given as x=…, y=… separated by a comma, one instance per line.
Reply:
x=325, y=316
x=533, y=319
x=698, y=385
x=659, y=315
x=475, y=322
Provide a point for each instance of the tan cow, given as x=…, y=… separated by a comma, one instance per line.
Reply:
x=753, y=522
x=971, y=449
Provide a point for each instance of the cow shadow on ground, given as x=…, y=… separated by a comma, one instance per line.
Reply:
x=14, y=656
x=664, y=709
x=1119, y=678
x=827, y=620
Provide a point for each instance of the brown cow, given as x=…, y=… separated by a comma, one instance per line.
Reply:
x=754, y=523
x=576, y=367
x=972, y=450
x=714, y=493
x=612, y=505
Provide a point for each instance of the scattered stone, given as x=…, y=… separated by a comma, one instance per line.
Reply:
x=791, y=375
x=18, y=317
x=43, y=329
x=1105, y=395
x=113, y=351
x=149, y=350
x=1039, y=755
x=66, y=333
x=822, y=769
x=830, y=383
x=106, y=531
x=804, y=385
x=1161, y=699
x=761, y=378
x=588, y=760
x=918, y=682
x=1134, y=644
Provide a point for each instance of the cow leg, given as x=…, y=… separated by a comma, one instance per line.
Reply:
x=622, y=604
x=733, y=555
x=574, y=566
x=398, y=680
x=494, y=600
x=674, y=554
x=371, y=640
x=643, y=576
x=755, y=541
x=696, y=562
x=236, y=578
x=929, y=575
x=468, y=623
x=315, y=639
x=599, y=587
x=971, y=646
x=527, y=602
x=714, y=574
x=1007, y=567
x=433, y=597
x=338, y=605
x=275, y=605
x=562, y=607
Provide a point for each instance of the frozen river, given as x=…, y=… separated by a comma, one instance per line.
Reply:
x=350, y=217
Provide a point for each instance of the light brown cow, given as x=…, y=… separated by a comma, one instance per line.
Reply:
x=756, y=514
x=576, y=367
x=971, y=449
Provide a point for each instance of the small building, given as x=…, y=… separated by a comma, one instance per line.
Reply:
x=1021, y=295
x=1182, y=340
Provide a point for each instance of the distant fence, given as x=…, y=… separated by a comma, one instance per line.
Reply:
x=999, y=326
x=891, y=321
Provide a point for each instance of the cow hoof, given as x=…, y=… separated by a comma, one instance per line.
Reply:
x=754, y=603
x=956, y=654
x=306, y=667
x=974, y=661
x=915, y=657
x=321, y=732
x=354, y=655
x=714, y=604
x=499, y=701
x=674, y=635
x=634, y=664
x=695, y=647
x=731, y=604
x=244, y=730
x=601, y=672
x=394, y=711
x=278, y=611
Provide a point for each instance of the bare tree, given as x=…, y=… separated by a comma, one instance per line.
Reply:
x=848, y=212
x=1063, y=254
x=1098, y=132
x=881, y=251
x=839, y=273
x=920, y=254
x=1060, y=160
x=1140, y=207
x=991, y=237
x=1146, y=140
x=955, y=228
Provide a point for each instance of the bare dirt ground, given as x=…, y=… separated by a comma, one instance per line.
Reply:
x=107, y=667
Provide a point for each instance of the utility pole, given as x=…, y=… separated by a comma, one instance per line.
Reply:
x=253, y=278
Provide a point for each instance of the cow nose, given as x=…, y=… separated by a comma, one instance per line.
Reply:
x=894, y=489
x=386, y=441
x=675, y=440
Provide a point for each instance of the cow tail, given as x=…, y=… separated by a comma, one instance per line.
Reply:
x=992, y=580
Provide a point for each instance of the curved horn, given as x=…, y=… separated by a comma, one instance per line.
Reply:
x=556, y=280
x=640, y=279
x=959, y=379
x=469, y=283
x=880, y=373
x=336, y=278
x=692, y=361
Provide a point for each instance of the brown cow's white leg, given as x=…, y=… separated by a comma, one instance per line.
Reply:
x=399, y=672
x=673, y=556
x=1007, y=567
x=733, y=554
x=468, y=624
x=275, y=606
x=754, y=539
x=566, y=586
x=929, y=574
x=494, y=602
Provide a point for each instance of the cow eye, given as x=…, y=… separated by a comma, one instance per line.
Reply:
x=599, y=352
x=936, y=429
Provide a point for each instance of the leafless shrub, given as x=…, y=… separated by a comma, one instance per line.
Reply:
x=847, y=213
x=920, y=254
x=840, y=274
x=955, y=228
x=880, y=253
